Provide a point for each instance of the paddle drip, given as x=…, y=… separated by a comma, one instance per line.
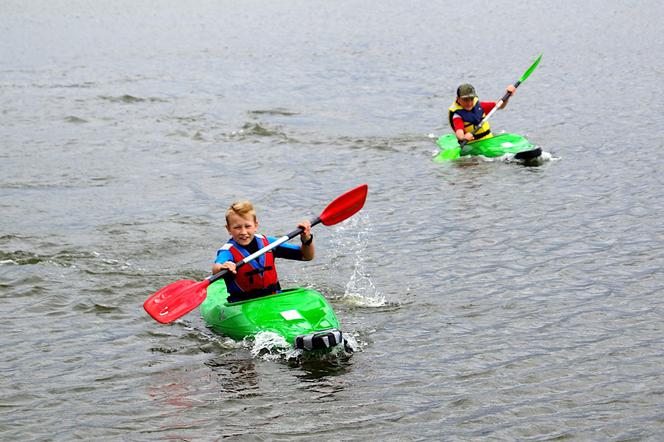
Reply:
x=353, y=240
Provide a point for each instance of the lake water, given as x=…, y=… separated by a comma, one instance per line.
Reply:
x=484, y=299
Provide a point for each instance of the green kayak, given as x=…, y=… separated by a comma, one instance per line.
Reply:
x=495, y=146
x=302, y=316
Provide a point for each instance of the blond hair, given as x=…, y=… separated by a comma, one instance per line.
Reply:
x=241, y=208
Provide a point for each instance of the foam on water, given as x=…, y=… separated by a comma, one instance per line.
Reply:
x=271, y=346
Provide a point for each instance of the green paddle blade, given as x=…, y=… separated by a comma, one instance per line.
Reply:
x=530, y=69
x=449, y=154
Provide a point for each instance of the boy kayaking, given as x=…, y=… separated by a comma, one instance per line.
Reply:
x=467, y=112
x=258, y=277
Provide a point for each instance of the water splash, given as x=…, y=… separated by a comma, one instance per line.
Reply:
x=353, y=236
x=351, y=343
x=271, y=346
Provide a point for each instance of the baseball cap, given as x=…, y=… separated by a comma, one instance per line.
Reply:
x=466, y=90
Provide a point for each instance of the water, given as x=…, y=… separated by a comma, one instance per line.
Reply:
x=484, y=299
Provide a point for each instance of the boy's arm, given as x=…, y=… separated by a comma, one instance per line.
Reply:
x=487, y=106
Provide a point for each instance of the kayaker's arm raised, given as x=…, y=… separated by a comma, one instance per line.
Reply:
x=466, y=115
x=307, y=239
x=511, y=90
x=306, y=252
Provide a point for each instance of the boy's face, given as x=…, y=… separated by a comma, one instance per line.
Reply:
x=242, y=229
x=466, y=102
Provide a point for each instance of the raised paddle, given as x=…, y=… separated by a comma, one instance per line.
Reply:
x=179, y=298
x=462, y=144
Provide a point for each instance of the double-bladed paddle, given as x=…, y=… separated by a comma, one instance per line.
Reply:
x=179, y=298
x=463, y=144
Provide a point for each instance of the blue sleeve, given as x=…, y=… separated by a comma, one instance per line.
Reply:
x=286, y=250
x=283, y=250
x=285, y=245
x=223, y=256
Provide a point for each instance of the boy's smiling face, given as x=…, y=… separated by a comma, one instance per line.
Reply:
x=242, y=229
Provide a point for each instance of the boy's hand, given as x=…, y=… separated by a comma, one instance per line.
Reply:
x=230, y=265
x=306, y=230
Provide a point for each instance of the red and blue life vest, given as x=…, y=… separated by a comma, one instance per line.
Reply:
x=255, y=278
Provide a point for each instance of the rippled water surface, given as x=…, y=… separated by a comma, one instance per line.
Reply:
x=484, y=299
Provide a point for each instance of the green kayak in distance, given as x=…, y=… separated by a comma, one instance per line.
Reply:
x=493, y=147
x=303, y=317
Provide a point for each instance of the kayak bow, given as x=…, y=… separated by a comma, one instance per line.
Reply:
x=301, y=316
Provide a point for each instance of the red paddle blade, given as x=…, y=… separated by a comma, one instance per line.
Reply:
x=176, y=300
x=344, y=206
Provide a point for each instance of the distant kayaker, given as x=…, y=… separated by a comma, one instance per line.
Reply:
x=258, y=277
x=467, y=112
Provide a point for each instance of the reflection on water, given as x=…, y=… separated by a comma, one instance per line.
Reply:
x=236, y=376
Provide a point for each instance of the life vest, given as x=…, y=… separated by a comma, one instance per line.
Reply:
x=255, y=278
x=471, y=119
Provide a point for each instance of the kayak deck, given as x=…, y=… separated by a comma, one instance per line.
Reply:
x=496, y=146
x=302, y=316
